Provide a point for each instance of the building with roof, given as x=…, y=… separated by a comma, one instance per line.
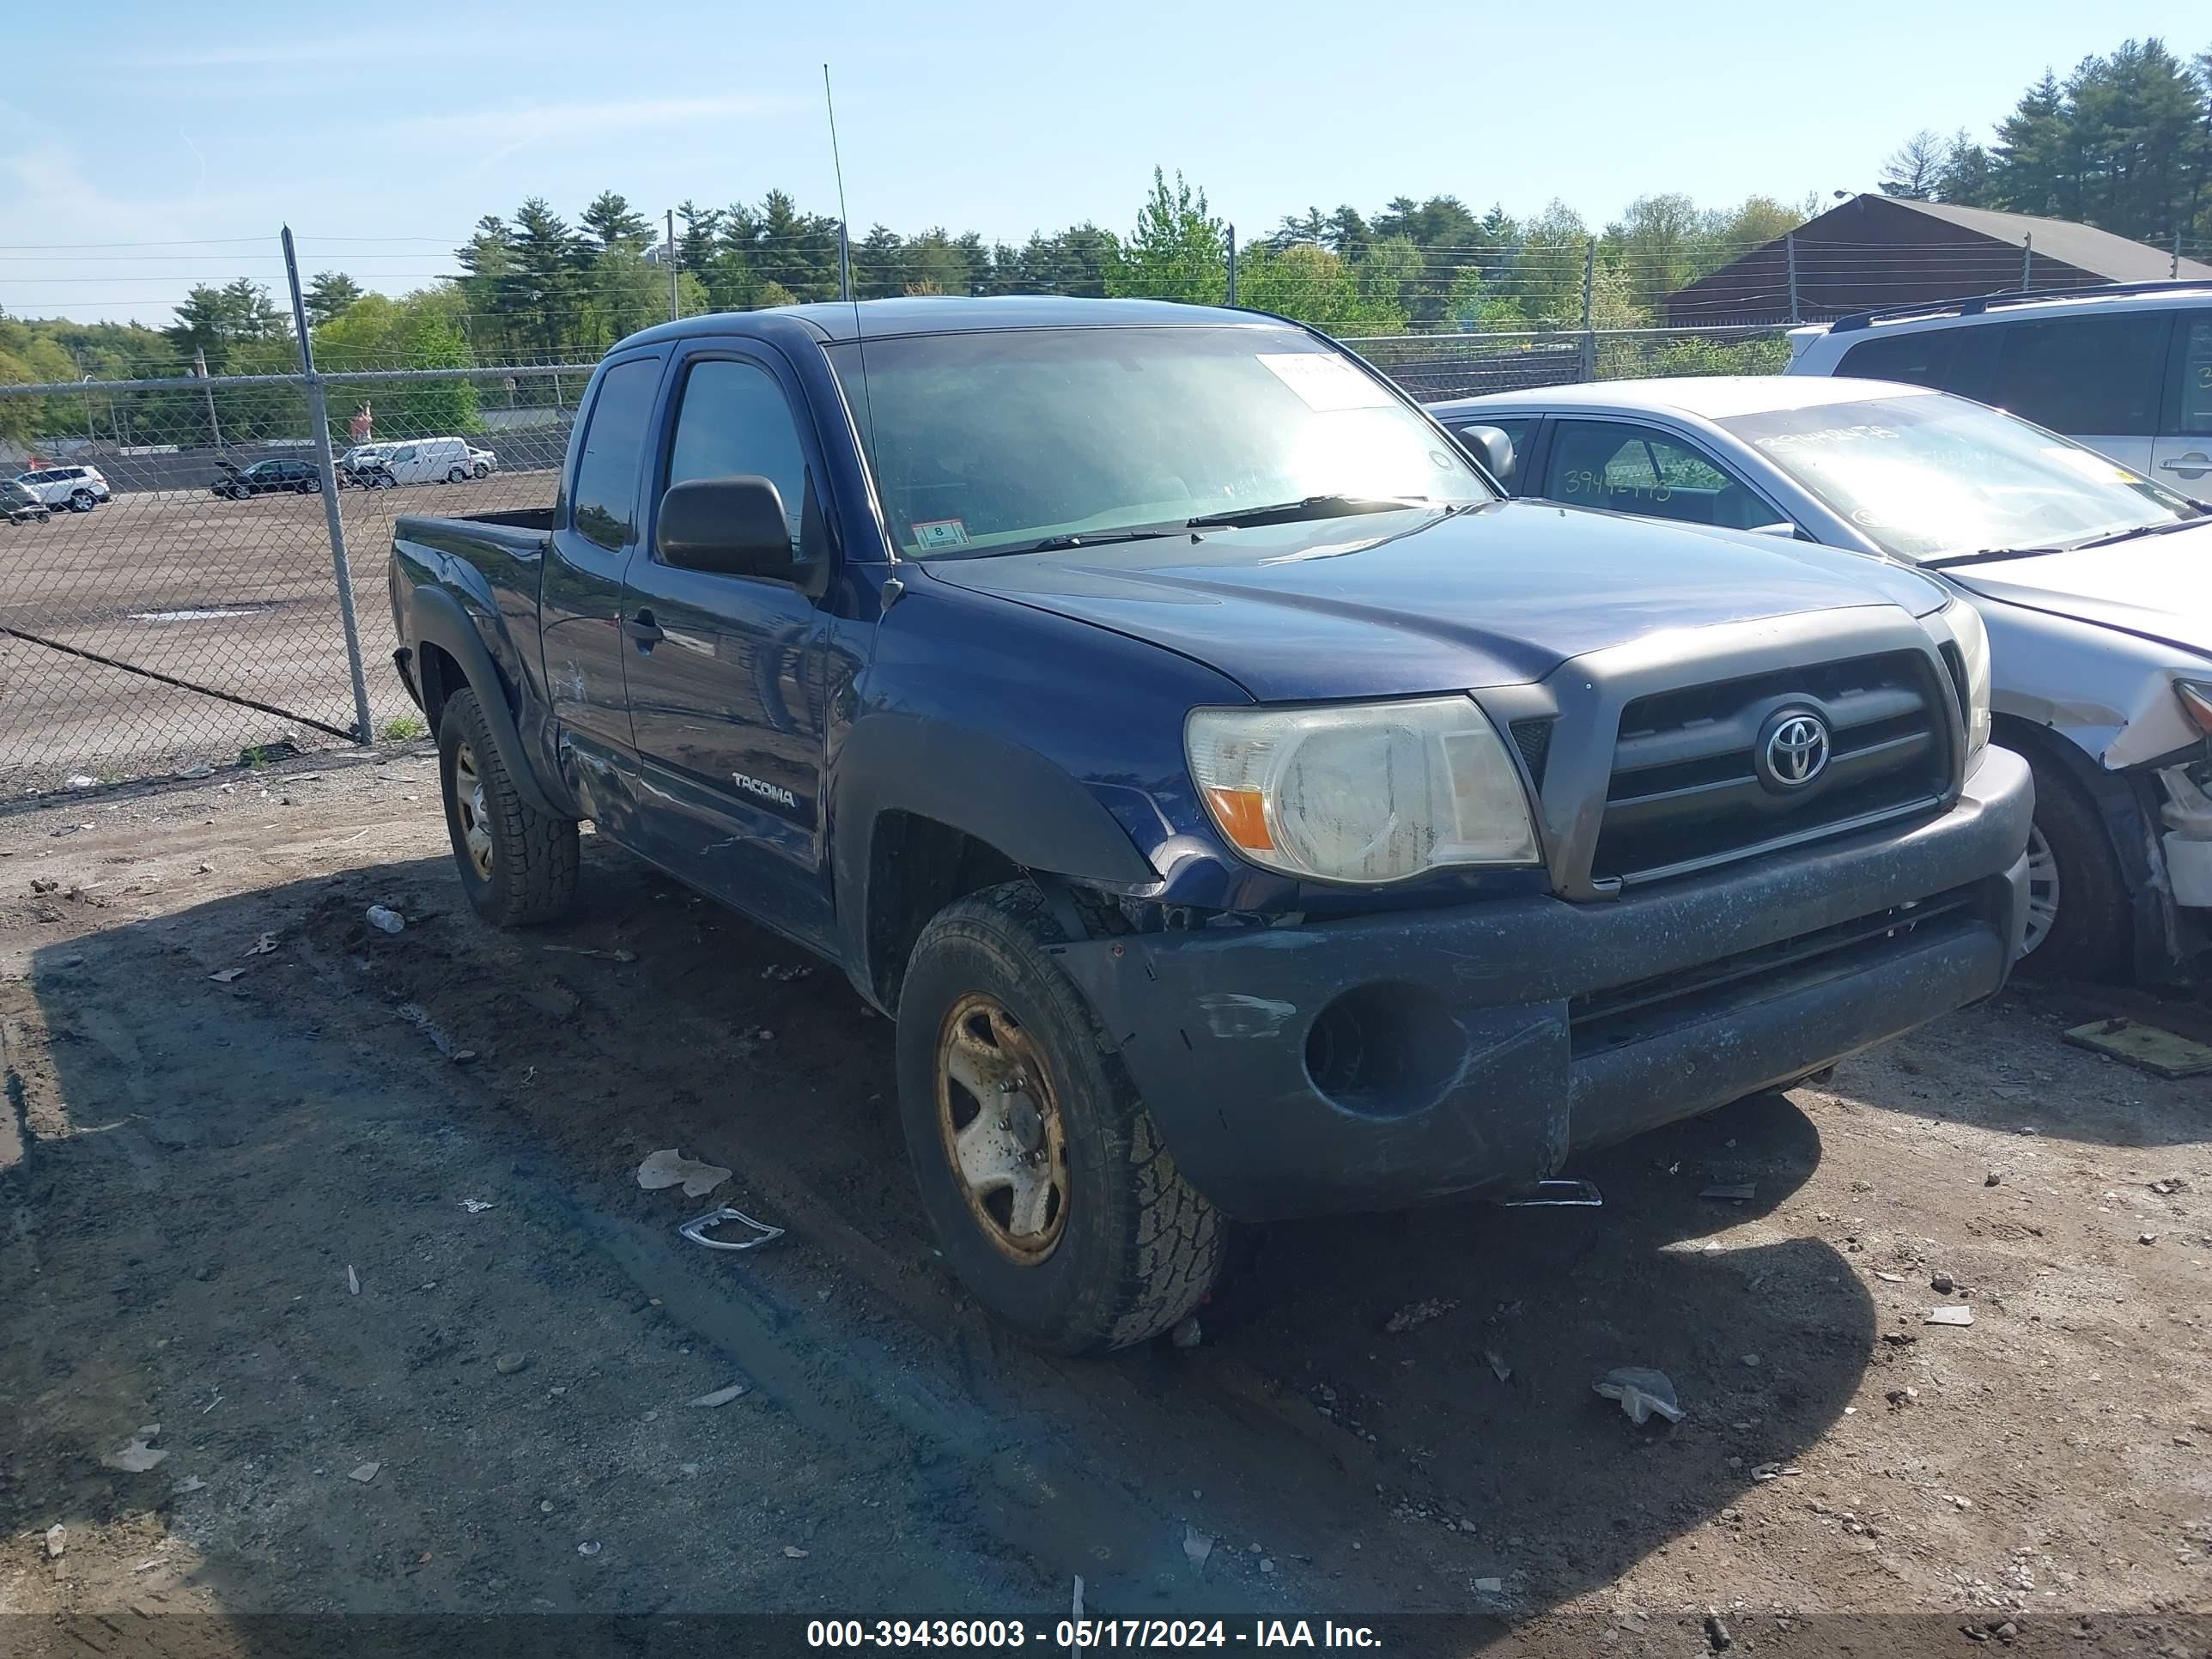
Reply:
x=1874, y=252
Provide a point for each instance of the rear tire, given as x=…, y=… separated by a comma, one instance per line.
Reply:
x=517, y=866
x=457, y=474
x=2078, y=897
x=1046, y=1180
x=81, y=501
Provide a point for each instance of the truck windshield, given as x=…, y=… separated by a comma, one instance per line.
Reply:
x=1929, y=476
x=992, y=443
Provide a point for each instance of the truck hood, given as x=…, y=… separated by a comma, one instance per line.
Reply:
x=1396, y=603
x=2159, y=588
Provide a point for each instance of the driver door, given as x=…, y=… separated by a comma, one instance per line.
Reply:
x=724, y=672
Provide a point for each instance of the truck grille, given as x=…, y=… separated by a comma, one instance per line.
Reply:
x=1699, y=779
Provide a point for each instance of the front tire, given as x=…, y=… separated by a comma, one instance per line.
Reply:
x=2081, y=924
x=517, y=866
x=1038, y=1164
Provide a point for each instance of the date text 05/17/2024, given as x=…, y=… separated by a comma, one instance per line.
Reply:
x=989, y=1634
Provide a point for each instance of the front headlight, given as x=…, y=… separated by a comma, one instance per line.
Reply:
x=1972, y=639
x=1370, y=792
x=2196, y=702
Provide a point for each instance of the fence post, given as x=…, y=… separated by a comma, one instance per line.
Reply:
x=1232, y=265
x=1790, y=251
x=318, y=415
x=1589, y=289
x=2028, y=262
x=215, y=426
x=675, y=307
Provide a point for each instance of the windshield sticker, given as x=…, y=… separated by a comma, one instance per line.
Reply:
x=1834, y=434
x=934, y=533
x=1326, y=383
x=2091, y=465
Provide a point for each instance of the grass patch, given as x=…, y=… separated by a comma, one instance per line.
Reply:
x=404, y=728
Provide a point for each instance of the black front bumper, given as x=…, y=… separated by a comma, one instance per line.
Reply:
x=1477, y=1047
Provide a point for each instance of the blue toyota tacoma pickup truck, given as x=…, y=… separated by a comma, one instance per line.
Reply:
x=1243, y=811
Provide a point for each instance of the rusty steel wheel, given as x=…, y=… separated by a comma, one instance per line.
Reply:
x=474, y=815
x=1000, y=1121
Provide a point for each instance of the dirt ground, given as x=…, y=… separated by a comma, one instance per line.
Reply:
x=231, y=1101
x=238, y=597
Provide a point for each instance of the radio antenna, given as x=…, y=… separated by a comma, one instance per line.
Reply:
x=845, y=284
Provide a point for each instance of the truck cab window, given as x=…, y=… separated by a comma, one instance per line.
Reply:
x=734, y=422
x=614, y=447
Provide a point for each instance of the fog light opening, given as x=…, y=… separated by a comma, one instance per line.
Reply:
x=1384, y=1050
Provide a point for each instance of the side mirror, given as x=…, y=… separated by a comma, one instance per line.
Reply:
x=1496, y=450
x=730, y=526
x=1785, y=529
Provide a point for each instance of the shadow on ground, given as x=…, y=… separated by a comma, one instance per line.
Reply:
x=204, y=1161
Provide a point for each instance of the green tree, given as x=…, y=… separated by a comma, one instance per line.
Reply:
x=328, y=293
x=1179, y=249
x=610, y=221
x=1309, y=283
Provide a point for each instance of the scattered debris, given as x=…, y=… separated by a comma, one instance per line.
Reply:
x=366, y=1472
x=191, y=1483
x=1186, y=1334
x=793, y=1552
x=1892, y=1279
x=476, y=1205
x=784, y=976
x=1751, y=1361
x=1418, y=1312
x=224, y=975
x=187, y=773
x=1498, y=1367
x=1993, y=1177
x=353, y=1280
x=1641, y=1391
x=1716, y=1634
x=2164, y=1053
x=695, y=1230
x=79, y=781
x=1774, y=1471
x=137, y=1457
x=2168, y=1188
x=1959, y=1503
x=668, y=1167
x=414, y=1015
x=43, y=884
x=719, y=1397
x=507, y=1365
x=1267, y=1566
x=1196, y=1546
x=262, y=946
x=1942, y=1284
x=57, y=1541
x=586, y=951
x=1733, y=1192
x=589, y=1547
x=1900, y=1398
x=386, y=920
x=2147, y=1238
x=1490, y=1587
x=1949, y=1315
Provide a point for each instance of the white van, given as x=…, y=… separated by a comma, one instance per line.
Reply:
x=430, y=460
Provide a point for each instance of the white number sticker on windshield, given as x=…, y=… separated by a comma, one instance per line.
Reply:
x=1326, y=383
x=934, y=533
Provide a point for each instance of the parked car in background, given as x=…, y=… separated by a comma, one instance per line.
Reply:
x=362, y=467
x=80, y=489
x=483, y=462
x=268, y=477
x=19, y=505
x=1241, y=811
x=2096, y=585
x=2126, y=369
x=432, y=460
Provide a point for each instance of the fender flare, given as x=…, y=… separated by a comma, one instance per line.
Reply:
x=439, y=620
x=1002, y=794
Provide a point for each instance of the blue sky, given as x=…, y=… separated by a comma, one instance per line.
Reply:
x=382, y=133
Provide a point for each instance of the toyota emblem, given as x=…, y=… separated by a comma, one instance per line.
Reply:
x=1796, y=750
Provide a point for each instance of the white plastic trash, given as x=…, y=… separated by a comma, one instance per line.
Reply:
x=389, y=922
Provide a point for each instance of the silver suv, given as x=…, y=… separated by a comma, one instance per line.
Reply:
x=2125, y=370
x=80, y=489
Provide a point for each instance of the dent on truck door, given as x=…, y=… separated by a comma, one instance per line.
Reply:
x=724, y=671
x=579, y=602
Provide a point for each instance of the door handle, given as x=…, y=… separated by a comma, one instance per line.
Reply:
x=2195, y=465
x=642, y=629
